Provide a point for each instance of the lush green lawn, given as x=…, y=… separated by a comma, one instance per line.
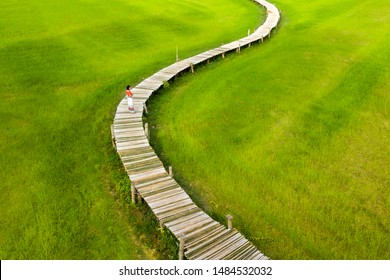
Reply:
x=293, y=137
x=63, y=68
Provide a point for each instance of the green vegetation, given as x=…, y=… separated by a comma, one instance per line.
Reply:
x=63, y=68
x=292, y=137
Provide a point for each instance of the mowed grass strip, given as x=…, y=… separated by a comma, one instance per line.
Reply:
x=63, y=69
x=292, y=137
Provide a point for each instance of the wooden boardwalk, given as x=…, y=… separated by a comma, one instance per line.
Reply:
x=200, y=236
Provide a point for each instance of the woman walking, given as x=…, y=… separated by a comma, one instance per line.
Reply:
x=129, y=95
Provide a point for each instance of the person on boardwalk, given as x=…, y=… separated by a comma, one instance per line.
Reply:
x=129, y=95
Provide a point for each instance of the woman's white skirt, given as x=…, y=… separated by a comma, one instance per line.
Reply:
x=130, y=102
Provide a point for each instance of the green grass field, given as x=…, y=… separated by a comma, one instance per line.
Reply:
x=63, y=69
x=292, y=137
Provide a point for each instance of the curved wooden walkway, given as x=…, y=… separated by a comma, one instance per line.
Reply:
x=200, y=236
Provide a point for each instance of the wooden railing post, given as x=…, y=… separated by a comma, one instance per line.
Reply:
x=145, y=108
x=139, y=198
x=182, y=238
x=113, y=136
x=133, y=192
x=170, y=172
x=192, y=68
x=229, y=219
x=147, y=130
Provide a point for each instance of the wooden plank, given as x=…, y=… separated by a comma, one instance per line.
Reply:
x=257, y=255
x=203, y=236
x=149, y=83
x=230, y=248
x=122, y=147
x=137, y=135
x=185, y=218
x=247, y=253
x=193, y=238
x=142, y=162
x=245, y=248
x=198, y=59
x=152, y=190
x=152, y=193
x=170, y=193
x=134, y=152
x=211, y=254
x=149, y=86
x=126, y=122
x=131, y=128
x=175, y=68
x=190, y=227
x=134, y=133
x=135, y=169
x=163, y=76
x=178, y=212
x=142, y=168
x=153, y=182
x=138, y=156
x=208, y=241
x=166, y=209
x=198, y=237
x=204, y=251
x=131, y=143
x=186, y=223
x=138, y=177
x=167, y=201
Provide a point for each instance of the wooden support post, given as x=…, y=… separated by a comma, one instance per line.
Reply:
x=262, y=38
x=229, y=219
x=192, y=68
x=145, y=108
x=170, y=172
x=147, y=130
x=223, y=55
x=239, y=48
x=139, y=198
x=182, y=238
x=269, y=34
x=133, y=192
x=113, y=136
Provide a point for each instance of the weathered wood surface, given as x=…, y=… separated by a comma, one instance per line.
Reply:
x=204, y=238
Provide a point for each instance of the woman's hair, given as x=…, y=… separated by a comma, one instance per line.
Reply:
x=128, y=87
